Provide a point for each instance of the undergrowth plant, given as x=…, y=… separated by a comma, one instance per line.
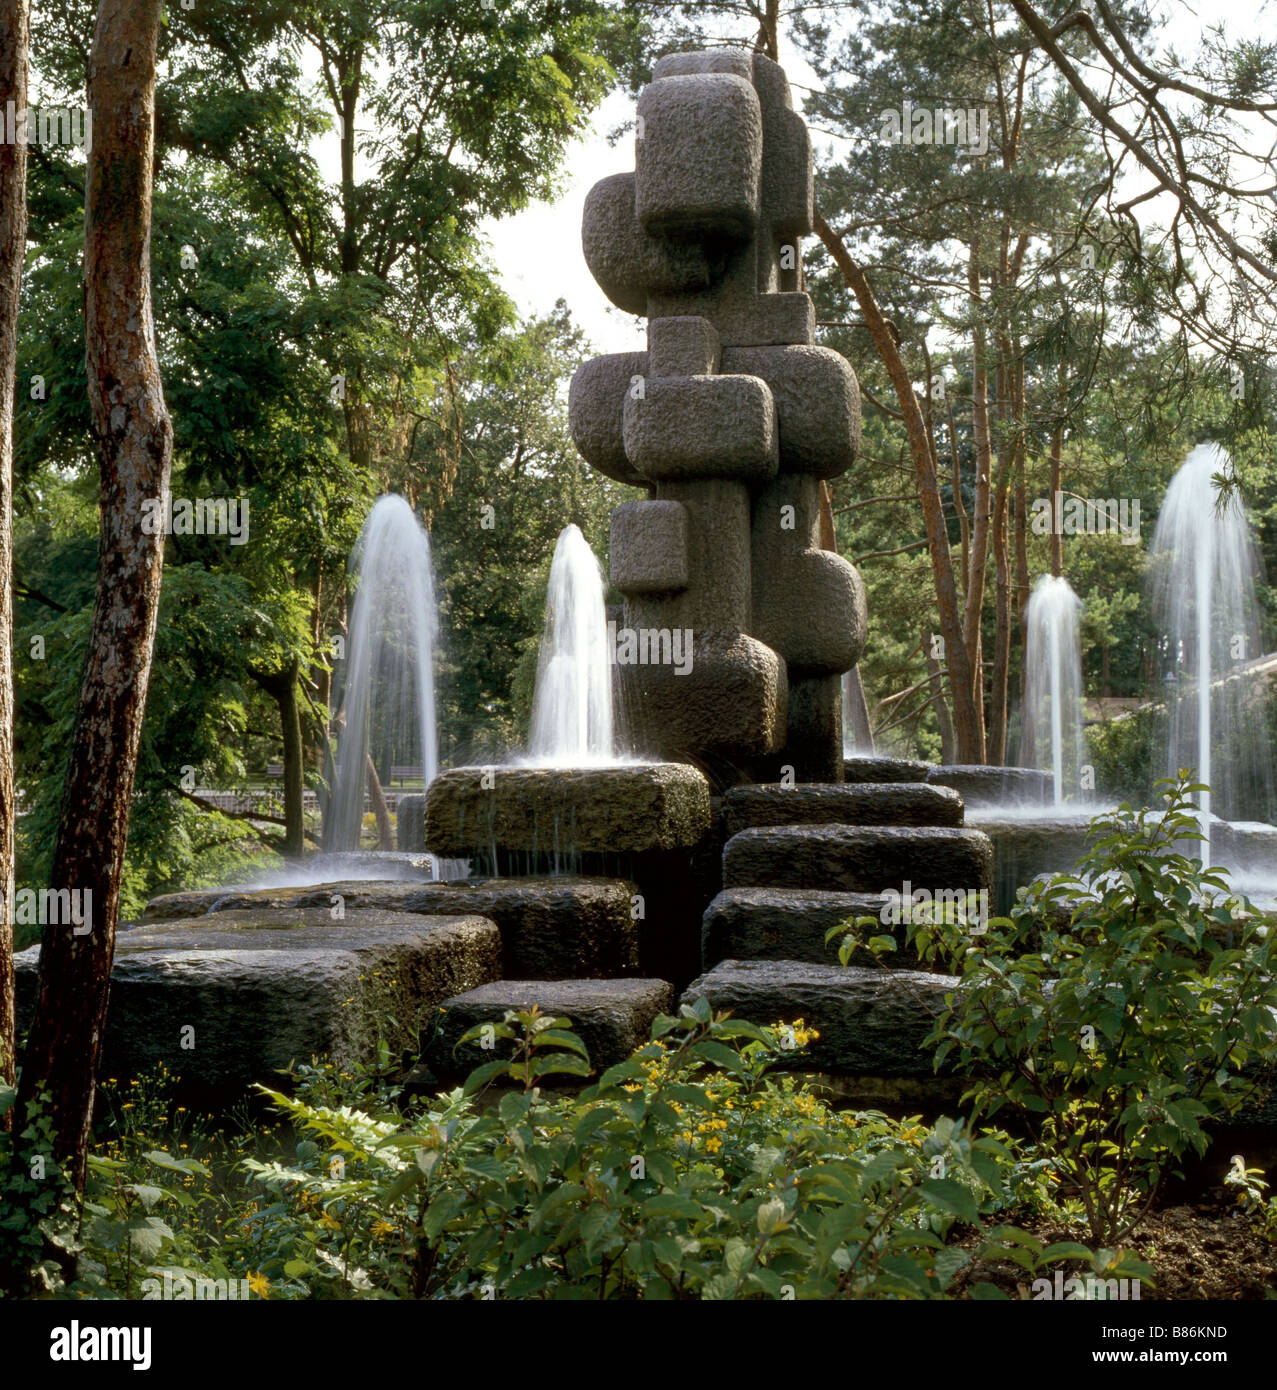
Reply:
x=1116, y=1011
x=687, y=1171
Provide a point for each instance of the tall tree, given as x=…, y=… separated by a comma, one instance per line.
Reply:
x=14, y=41
x=134, y=439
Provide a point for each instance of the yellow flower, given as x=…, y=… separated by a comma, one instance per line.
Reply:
x=259, y=1284
x=713, y=1144
x=382, y=1229
x=329, y=1220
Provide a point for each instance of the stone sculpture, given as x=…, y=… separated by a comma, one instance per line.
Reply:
x=730, y=420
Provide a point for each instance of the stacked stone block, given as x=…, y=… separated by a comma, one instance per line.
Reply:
x=731, y=419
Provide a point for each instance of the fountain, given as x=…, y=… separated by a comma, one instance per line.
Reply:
x=572, y=703
x=1051, y=735
x=388, y=702
x=1203, y=594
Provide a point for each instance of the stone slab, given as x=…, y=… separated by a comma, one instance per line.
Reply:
x=858, y=859
x=868, y=767
x=626, y=808
x=995, y=786
x=790, y=924
x=841, y=803
x=1026, y=846
x=550, y=927
x=611, y=1017
x=259, y=990
x=870, y=1021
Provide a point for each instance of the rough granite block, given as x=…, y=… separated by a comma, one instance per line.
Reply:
x=611, y=1017
x=648, y=550
x=233, y=998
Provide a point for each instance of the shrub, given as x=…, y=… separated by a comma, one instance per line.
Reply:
x=1114, y=1011
x=685, y=1172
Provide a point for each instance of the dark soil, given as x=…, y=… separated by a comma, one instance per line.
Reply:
x=1206, y=1251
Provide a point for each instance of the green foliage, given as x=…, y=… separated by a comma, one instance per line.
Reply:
x=685, y=1172
x=38, y=1210
x=1114, y=1011
x=1123, y=751
x=1251, y=1192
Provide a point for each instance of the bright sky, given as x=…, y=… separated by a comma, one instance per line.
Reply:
x=538, y=251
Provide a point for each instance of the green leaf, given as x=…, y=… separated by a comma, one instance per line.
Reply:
x=952, y=1197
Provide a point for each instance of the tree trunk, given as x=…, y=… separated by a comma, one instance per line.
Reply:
x=281, y=686
x=959, y=502
x=999, y=684
x=938, y=703
x=963, y=673
x=135, y=445
x=983, y=498
x=1056, y=540
x=385, y=836
x=1022, y=586
x=320, y=672
x=15, y=25
x=768, y=40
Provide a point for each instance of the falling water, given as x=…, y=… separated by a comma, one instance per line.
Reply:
x=851, y=741
x=1203, y=591
x=388, y=698
x=1052, y=734
x=572, y=704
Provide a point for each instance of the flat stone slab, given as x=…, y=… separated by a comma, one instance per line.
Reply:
x=235, y=998
x=611, y=1017
x=839, y=803
x=858, y=859
x=561, y=811
x=550, y=927
x=995, y=786
x=1244, y=846
x=871, y=768
x=1025, y=847
x=790, y=924
x=870, y=1021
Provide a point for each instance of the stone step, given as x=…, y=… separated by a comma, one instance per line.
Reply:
x=551, y=928
x=839, y=803
x=611, y=1017
x=870, y=1021
x=980, y=785
x=868, y=767
x=790, y=924
x=859, y=859
x=1026, y=846
x=259, y=990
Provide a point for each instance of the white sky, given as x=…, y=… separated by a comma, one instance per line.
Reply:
x=538, y=252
